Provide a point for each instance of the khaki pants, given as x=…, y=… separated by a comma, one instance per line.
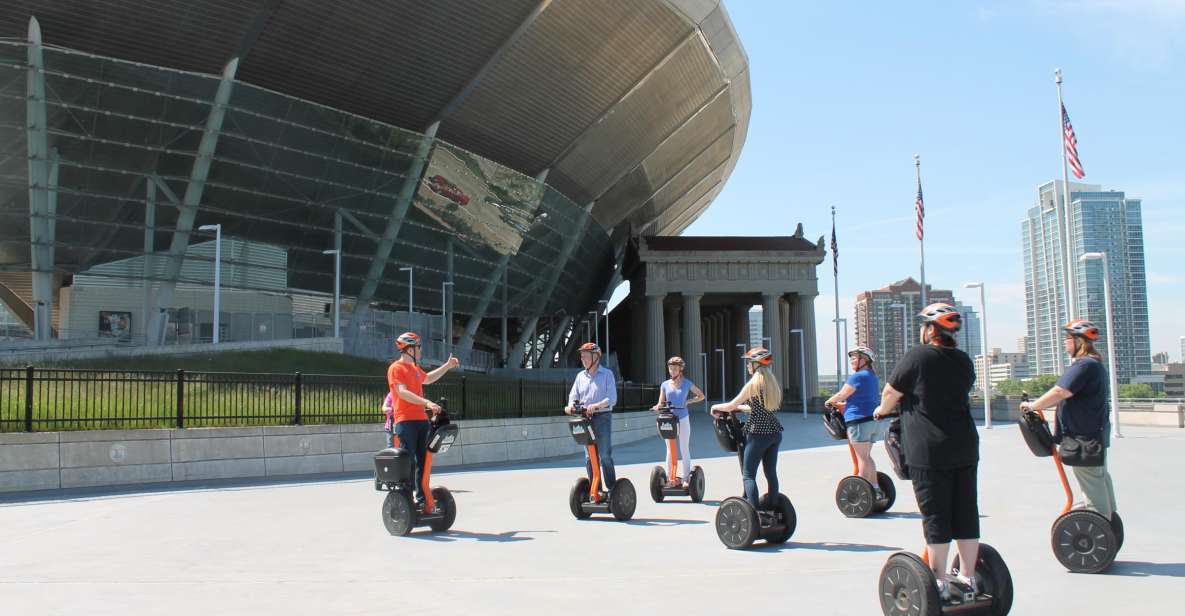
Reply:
x=1096, y=486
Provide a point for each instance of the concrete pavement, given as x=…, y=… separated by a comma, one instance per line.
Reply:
x=319, y=547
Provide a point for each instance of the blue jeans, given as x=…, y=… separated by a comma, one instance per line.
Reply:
x=760, y=449
x=602, y=424
x=413, y=436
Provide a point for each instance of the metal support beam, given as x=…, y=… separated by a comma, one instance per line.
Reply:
x=492, y=62
x=394, y=222
x=553, y=277
x=553, y=344
x=191, y=201
x=148, y=272
x=345, y=214
x=40, y=233
x=505, y=322
x=164, y=187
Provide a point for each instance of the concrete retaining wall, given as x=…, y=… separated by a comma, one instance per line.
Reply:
x=53, y=460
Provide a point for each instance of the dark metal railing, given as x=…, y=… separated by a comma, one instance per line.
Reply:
x=51, y=399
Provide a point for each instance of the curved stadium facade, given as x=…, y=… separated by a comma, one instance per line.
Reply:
x=509, y=148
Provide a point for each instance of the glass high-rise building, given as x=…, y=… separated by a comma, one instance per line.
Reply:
x=1102, y=221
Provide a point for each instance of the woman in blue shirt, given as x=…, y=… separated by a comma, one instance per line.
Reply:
x=858, y=399
x=675, y=391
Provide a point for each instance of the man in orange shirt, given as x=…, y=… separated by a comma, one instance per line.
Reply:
x=406, y=381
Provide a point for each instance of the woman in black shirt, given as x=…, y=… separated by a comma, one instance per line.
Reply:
x=939, y=439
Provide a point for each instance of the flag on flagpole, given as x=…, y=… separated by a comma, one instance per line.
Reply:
x=920, y=206
x=834, y=251
x=1071, y=145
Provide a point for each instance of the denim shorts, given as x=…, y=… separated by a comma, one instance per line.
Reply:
x=866, y=432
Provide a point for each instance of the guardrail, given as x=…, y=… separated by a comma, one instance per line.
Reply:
x=40, y=399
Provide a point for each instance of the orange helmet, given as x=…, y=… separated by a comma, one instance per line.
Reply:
x=590, y=347
x=759, y=355
x=407, y=340
x=1081, y=328
x=942, y=316
x=677, y=361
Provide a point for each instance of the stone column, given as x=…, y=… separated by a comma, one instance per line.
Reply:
x=788, y=343
x=655, y=339
x=692, y=336
x=806, y=309
x=770, y=314
x=793, y=321
x=671, y=321
x=740, y=335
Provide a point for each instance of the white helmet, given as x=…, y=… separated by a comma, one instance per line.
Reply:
x=865, y=351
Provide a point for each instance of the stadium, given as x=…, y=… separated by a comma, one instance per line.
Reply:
x=485, y=161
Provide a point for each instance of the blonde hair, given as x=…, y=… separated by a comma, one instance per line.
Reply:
x=1084, y=348
x=765, y=385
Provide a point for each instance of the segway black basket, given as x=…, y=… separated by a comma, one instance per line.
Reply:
x=582, y=430
x=896, y=453
x=668, y=425
x=835, y=425
x=392, y=466
x=1036, y=434
x=729, y=432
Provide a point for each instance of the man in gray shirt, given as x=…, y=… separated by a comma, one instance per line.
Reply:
x=596, y=389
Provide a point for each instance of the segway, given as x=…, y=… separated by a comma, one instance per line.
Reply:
x=668, y=429
x=588, y=497
x=908, y=588
x=738, y=524
x=854, y=495
x=1082, y=539
x=393, y=473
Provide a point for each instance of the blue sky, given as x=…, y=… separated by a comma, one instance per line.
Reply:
x=845, y=93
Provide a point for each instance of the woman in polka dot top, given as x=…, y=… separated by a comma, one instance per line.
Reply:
x=760, y=397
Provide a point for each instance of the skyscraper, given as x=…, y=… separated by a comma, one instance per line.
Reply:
x=969, y=335
x=1101, y=221
x=879, y=324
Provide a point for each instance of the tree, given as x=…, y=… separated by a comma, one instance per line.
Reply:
x=1136, y=390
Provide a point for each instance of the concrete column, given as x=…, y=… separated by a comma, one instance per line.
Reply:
x=40, y=219
x=655, y=339
x=788, y=342
x=711, y=331
x=806, y=306
x=771, y=322
x=740, y=335
x=692, y=337
x=794, y=367
x=671, y=322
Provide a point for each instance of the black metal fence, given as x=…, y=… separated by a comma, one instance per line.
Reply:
x=50, y=399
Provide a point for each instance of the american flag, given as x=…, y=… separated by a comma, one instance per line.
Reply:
x=1071, y=145
x=921, y=209
x=834, y=251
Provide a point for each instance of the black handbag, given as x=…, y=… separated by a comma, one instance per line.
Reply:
x=835, y=425
x=896, y=452
x=1082, y=450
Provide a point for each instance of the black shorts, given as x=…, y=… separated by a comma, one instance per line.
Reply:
x=949, y=501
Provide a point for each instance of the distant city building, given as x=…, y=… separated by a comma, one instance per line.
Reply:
x=1160, y=358
x=1004, y=367
x=969, y=337
x=755, y=323
x=1182, y=349
x=1103, y=221
x=1174, y=379
x=886, y=327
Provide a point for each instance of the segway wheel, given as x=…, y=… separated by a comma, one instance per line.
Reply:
x=736, y=523
x=658, y=481
x=577, y=497
x=907, y=587
x=1117, y=528
x=853, y=496
x=448, y=509
x=696, y=484
x=785, y=510
x=1084, y=541
x=623, y=500
x=399, y=513
x=995, y=579
x=885, y=483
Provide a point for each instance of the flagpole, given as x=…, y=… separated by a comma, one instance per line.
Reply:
x=1069, y=264
x=917, y=163
x=835, y=276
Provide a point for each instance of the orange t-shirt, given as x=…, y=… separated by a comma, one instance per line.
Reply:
x=412, y=377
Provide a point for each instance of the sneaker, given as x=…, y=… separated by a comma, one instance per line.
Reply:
x=878, y=494
x=943, y=588
x=969, y=582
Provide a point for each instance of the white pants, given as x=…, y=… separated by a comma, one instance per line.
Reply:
x=684, y=447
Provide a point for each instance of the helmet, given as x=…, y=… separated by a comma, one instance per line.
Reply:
x=676, y=361
x=759, y=355
x=863, y=350
x=1082, y=328
x=590, y=347
x=942, y=316
x=406, y=340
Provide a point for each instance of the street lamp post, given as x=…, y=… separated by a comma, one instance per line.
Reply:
x=987, y=358
x=337, y=289
x=596, y=325
x=845, y=342
x=444, y=318
x=802, y=365
x=722, y=383
x=703, y=362
x=217, y=229
x=605, y=307
x=1113, y=383
x=741, y=347
x=411, y=300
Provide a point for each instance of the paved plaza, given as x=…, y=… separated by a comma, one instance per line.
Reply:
x=319, y=547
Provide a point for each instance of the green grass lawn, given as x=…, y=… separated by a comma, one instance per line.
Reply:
x=286, y=361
